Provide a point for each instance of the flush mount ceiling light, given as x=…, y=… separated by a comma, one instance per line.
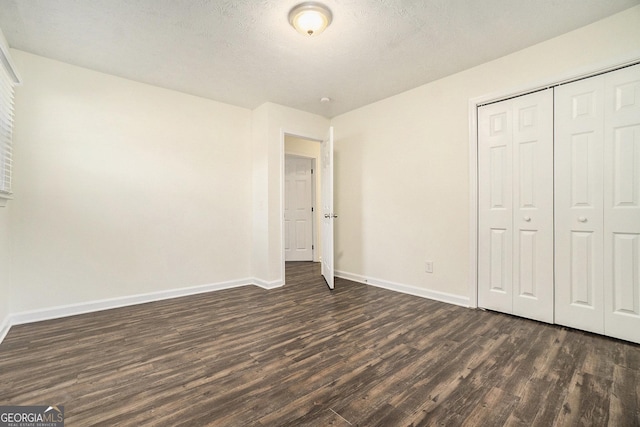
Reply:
x=310, y=18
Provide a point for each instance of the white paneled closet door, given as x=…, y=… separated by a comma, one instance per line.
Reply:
x=579, y=204
x=533, y=206
x=597, y=204
x=515, y=195
x=495, y=229
x=622, y=204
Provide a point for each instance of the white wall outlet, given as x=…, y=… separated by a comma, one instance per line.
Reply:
x=428, y=267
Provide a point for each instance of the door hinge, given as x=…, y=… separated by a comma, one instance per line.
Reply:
x=311, y=208
x=312, y=247
x=311, y=171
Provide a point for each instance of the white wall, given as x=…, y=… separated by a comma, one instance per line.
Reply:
x=259, y=193
x=123, y=188
x=5, y=273
x=310, y=149
x=402, y=170
x=270, y=124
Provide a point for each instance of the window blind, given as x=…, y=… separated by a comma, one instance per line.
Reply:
x=8, y=79
x=6, y=130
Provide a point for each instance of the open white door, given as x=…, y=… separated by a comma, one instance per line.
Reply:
x=327, y=208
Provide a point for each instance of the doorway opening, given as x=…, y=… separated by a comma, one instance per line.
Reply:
x=302, y=201
x=324, y=161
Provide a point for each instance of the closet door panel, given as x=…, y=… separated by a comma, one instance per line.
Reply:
x=515, y=169
x=579, y=231
x=622, y=204
x=533, y=206
x=495, y=231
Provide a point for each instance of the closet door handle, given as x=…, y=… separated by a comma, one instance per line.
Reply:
x=527, y=218
x=582, y=218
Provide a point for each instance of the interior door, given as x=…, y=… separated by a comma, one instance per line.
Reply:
x=622, y=204
x=298, y=216
x=328, y=214
x=579, y=204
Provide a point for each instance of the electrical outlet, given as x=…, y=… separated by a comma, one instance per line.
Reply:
x=428, y=267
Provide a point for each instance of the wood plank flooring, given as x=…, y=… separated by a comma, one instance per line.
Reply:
x=306, y=356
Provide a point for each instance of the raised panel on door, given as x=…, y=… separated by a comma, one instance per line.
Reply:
x=578, y=151
x=533, y=206
x=495, y=231
x=622, y=204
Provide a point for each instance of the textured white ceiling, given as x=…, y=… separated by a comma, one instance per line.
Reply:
x=244, y=52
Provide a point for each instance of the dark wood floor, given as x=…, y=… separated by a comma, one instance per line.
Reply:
x=306, y=356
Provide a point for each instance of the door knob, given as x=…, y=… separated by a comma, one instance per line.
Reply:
x=334, y=216
x=527, y=218
x=582, y=219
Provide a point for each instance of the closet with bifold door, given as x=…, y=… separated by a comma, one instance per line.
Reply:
x=559, y=205
x=597, y=203
x=515, y=200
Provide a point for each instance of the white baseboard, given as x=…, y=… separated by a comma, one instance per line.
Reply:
x=406, y=289
x=4, y=327
x=106, y=304
x=267, y=285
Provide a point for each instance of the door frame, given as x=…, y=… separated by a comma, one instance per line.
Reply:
x=283, y=134
x=314, y=167
x=474, y=103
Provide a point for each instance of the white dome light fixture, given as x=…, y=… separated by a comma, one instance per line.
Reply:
x=310, y=18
